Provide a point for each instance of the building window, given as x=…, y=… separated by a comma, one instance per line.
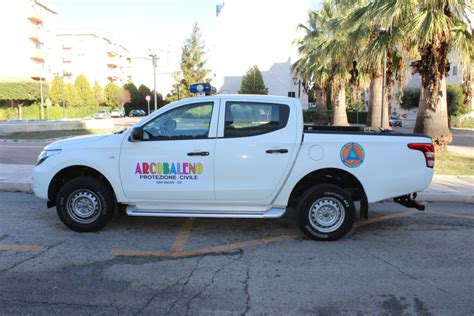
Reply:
x=455, y=70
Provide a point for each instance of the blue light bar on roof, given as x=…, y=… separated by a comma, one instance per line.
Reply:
x=202, y=88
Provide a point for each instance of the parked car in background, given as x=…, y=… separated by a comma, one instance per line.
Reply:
x=395, y=121
x=102, y=114
x=137, y=113
x=117, y=113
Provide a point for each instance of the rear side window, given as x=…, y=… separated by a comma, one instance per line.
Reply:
x=251, y=118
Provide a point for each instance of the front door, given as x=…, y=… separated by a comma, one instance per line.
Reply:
x=174, y=161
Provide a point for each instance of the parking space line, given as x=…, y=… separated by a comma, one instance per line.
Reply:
x=207, y=250
x=183, y=236
x=20, y=247
x=385, y=218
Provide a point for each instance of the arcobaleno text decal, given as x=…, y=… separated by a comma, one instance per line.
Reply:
x=166, y=168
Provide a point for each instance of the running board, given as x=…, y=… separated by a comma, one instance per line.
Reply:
x=271, y=213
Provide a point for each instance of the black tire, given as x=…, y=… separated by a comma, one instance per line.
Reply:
x=325, y=212
x=85, y=204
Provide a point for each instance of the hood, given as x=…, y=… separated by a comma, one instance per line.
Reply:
x=78, y=141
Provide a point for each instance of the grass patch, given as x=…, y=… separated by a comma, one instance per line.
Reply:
x=57, y=134
x=454, y=164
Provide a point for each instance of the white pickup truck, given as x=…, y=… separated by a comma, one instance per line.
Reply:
x=240, y=156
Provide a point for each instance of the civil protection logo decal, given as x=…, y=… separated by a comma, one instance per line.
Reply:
x=352, y=155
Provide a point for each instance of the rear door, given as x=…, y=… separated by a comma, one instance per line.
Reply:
x=255, y=146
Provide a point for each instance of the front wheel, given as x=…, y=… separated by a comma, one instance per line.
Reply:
x=325, y=212
x=85, y=204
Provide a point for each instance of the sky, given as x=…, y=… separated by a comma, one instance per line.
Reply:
x=141, y=25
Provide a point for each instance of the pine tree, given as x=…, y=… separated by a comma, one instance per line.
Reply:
x=56, y=93
x=192, y=66
x=98, y=93
x=84, y=91
x=252, y=82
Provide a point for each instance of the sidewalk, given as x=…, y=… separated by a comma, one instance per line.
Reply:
x=459, y=189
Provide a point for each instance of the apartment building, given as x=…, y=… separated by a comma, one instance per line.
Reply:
x=27, y=37
x=92, y=55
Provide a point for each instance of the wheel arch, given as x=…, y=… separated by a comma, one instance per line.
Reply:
x=70, y=172
x=339, y=177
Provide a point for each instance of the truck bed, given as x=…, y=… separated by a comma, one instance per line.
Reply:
x=328, y=129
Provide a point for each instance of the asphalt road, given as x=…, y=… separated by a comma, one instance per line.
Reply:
x=401, y=262
x=20, y=153
x=25, y=153
x=461, y=137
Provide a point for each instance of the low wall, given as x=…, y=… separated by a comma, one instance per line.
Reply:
x=63, y=125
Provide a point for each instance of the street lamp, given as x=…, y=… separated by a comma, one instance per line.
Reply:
x=297, y=81
x=154, y=59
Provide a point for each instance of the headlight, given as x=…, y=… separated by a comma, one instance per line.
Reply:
x=45, y=154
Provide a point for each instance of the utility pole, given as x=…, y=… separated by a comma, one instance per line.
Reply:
x=154, y=60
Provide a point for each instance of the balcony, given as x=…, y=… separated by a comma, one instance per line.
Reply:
x=38, y=73
x=67, y=58
x=36, y=16
x=38, y=55
x=34, y=35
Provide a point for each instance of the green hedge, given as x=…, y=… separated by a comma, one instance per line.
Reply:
x=455, y=99
x=352, y=117
x=357, y=117
x=32, y=112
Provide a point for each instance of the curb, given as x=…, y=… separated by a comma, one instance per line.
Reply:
x=445, y=197
x=16, y=187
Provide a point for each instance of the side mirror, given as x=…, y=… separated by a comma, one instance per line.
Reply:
x=136, y=134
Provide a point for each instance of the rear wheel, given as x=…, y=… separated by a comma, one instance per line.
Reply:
x=325, y=212
x=85, y=204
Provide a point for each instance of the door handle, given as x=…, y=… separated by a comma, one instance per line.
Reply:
x=199, y=153
x=277, y=151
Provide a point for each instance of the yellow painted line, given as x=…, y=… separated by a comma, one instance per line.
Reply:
x=183, y=236
x=20, y=247
x=137, y=253
x=385, y=218
x=450, y=215
x=208, y=250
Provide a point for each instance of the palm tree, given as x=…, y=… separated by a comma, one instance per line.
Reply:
x=434, y=28
x=328, y=56
x=380, y=50
x=308, y=67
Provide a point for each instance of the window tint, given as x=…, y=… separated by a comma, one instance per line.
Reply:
x=186, y=122
x=250, y=119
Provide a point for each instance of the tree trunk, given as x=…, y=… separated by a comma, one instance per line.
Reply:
x=321, y=114
x=375, y=102
x=433, y=120
x=339, y=104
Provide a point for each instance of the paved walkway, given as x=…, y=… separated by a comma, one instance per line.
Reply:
x=17, y=178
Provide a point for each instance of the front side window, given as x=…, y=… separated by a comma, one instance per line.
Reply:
x=186, y=122
x=250, y=118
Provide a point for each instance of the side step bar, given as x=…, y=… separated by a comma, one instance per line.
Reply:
x=271, y=213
